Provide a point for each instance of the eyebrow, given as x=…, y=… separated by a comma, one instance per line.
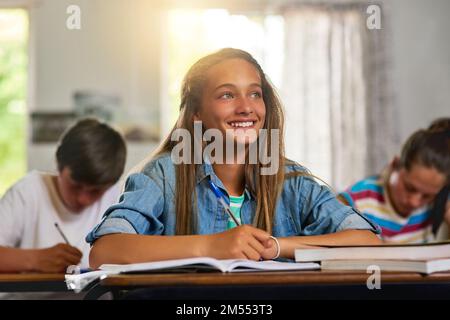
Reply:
x=226, y=85
x=409, y=185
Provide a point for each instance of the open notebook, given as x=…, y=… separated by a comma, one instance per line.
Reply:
x=78, y=282
x=207, y=264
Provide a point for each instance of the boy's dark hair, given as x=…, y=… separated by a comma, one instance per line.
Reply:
x=93, y=151
x=430, y=148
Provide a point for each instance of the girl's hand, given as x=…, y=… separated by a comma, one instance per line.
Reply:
x=288, y=244
x=243, y=242
x=271, y=249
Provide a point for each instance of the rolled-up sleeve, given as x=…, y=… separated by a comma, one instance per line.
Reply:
x=323, y=213
x=357, y=221
x=138, y=211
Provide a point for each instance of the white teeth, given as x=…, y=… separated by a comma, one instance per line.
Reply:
x=242, y=124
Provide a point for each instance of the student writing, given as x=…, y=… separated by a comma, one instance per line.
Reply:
x=168, y=210
x=411, y=195
x=90, y=158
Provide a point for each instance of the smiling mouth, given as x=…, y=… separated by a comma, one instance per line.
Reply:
x=242, y=124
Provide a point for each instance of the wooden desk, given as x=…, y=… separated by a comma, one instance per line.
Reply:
x=273, y=285
x=32, y=282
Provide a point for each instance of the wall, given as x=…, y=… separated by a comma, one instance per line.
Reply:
x=116, y=51
x=421, y=62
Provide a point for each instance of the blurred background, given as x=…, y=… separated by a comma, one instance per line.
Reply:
x=352, y=93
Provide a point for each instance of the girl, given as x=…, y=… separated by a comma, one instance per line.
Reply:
x=409, y=198
x=169, y=211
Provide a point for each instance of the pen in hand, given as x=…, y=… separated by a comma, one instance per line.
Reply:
x=220, y=198
x=61, y=233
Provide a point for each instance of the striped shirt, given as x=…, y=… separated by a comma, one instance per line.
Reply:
x=235, y=207
x=370, y=197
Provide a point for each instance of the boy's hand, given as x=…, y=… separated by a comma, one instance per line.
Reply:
x=55, y=259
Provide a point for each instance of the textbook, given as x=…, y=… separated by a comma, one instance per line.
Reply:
x=414, y=252
x=78, y=282
x=207, y=264
x=425, y=267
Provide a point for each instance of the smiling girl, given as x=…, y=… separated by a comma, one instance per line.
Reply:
x=168, y=211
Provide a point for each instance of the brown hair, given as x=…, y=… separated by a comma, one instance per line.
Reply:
x=438, y=210
x=265, y=188
x=94, y=152
x=440, y=124
x=430, y=148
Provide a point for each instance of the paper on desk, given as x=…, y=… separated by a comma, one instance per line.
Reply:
x=77, y=282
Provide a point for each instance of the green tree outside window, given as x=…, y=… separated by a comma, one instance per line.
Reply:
x=13, y=79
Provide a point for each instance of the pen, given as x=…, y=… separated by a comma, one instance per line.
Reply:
x=61, y=233
x=220, y=197
x=72, y=269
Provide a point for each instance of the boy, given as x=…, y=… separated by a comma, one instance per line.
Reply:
x=90, y=158
x=403, y=199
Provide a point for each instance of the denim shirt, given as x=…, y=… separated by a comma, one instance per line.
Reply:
x=147, y=206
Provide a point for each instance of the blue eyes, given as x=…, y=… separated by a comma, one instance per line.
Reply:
x=226, y=96
x=231, y=96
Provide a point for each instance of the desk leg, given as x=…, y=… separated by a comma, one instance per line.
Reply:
x=96, y=292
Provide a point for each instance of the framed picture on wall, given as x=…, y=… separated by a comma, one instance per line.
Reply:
x=47, y=127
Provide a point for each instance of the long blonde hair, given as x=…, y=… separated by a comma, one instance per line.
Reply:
x=265, y=188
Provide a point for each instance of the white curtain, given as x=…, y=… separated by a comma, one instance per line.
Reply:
x=327, y=91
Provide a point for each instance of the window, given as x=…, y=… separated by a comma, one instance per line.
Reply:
x=194, y=33
x=339, y=118
x=13, y=74
x=327, y=67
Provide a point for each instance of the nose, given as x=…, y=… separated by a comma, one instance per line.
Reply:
x=243, y=106
x=85, y=199
x=415, y=200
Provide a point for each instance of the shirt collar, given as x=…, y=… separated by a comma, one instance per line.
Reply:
x=206, y=171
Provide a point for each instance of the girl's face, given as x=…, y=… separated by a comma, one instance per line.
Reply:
x=414, y=188
x=233, y=100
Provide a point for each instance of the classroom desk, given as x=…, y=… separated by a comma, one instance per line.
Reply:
x=32, y=282
x=273, y=285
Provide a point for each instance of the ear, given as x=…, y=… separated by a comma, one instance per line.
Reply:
x=395, y=163
x=63, y=170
